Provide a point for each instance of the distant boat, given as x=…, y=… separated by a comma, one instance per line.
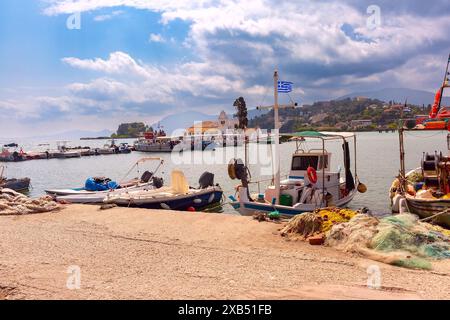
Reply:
x=63, y=152
x=14, y=184
x=158, y=144
x=11, y=145
x=7, y=155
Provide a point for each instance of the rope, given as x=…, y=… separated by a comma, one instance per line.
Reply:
x=434, y=215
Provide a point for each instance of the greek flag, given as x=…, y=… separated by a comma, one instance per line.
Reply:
x=284, y=86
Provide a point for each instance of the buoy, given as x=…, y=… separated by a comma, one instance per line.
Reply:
x=191, y=209
x=362, y=187
x=211, y=198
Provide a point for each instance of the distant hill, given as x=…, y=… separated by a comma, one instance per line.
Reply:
x=187, y=119
x=416, y=97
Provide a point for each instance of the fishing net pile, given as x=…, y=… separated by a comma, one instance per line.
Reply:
x=14, y=203
x=317, y=222
x=400, y=240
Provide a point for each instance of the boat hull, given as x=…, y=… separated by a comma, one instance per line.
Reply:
x=250, y=208
x=16, y=184
x=199, y=201
x=427, y=208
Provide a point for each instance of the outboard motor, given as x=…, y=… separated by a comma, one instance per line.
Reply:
x=146, y=176
x=206, y=180
x=158, y=182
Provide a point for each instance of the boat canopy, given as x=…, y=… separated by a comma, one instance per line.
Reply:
x=321, y=134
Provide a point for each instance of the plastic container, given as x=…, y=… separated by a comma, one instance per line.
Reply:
x=286, y=200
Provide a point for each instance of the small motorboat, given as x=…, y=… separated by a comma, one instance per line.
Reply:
x=14, y=184
x=124, y=148
x=64, y=152
x=177, y=196
x=96, y=189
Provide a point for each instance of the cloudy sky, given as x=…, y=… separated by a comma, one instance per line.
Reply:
x=92, y=64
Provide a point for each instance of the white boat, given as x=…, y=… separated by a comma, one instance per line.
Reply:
x=82, y=195
x=63, y=152
x=310, y=184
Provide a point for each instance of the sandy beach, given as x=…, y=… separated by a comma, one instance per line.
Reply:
x=149, y=254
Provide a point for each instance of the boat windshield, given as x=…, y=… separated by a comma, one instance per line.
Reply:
x=304, y=161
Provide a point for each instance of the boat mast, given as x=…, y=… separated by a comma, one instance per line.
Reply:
x=277, y=137
x=402, y=158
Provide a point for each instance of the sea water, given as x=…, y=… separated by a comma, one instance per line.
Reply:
x=377, y=164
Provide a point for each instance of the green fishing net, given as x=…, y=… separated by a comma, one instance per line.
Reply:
x=399, y=240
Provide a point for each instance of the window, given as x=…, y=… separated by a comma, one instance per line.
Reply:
x=303, y=162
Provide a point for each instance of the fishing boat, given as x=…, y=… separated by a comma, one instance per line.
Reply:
x=95, y=189
x=177, y=196
x=310, y=184
x=14, y=184
x=157, y=144
x=424, y=191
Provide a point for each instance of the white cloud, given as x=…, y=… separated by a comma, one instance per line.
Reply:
x=105, y=17
x=238, y=43
x=156, y=37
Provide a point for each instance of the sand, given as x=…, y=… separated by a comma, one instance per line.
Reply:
x=127, y=253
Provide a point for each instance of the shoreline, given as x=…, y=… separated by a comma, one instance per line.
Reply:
x=126, y=253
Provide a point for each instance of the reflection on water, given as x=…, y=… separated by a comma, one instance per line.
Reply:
x=377, y=164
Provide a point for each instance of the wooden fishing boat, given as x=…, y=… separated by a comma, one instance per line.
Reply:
x=426, y=204
x=14, y=184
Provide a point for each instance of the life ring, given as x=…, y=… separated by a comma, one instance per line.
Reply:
x=312, y=174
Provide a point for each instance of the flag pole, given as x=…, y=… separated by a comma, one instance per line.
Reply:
x=277, y=138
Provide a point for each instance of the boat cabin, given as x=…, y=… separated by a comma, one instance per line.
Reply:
x=327, y=189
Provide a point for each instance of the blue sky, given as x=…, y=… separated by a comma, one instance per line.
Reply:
x=140, y=60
